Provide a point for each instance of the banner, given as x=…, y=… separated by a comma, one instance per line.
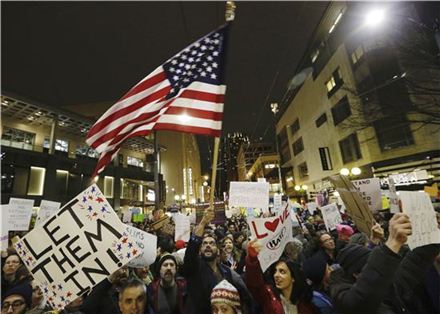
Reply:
x=273, y=233
x=421, y=213
x=77, y=248
x=354, y=203
x=47, y=209
x=147, y=243
x=249, y=194
x=331, y=216
x=20, y=214
x=182, y=228
x=370, y=192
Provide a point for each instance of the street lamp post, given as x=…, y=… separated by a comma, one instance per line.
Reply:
x=274, y=109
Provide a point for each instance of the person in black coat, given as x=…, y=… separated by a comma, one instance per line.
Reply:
x=381, y=281
x=203, y=272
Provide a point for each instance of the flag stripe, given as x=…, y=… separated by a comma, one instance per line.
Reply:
x=135, y=118
x=187, y=129
x=194, y=113
x=146, y=84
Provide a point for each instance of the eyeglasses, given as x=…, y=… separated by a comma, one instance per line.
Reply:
x=15, y=304
x=327, y=240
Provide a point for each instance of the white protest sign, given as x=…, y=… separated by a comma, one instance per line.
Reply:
x=394, y=199
x=126, y=217
x=4, y=234
x=370, y=192
x=312, y=206
x=331, y=216
x=147, y=243
x=20, y=214
x=277, y=199
x=182, y=228
x=418, y=206
x=77, y=248
x=273, y=233
x=47, y=209
x=249, y=194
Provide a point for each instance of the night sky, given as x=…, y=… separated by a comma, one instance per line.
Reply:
x=67, y=53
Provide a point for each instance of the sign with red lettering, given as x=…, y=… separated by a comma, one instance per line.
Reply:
x=273, y=233
x=77, y=248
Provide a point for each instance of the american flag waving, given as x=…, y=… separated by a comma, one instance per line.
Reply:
x=184, y=94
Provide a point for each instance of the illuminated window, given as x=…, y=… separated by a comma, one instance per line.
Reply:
x=36, y=181
x=133, y=161
x=17, y=138
x=357, y=54
x=60, y=145
x=86, y=150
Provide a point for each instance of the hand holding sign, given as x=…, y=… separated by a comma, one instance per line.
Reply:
x=399, y=229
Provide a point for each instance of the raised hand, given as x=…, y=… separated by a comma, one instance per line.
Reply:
x=399, y=229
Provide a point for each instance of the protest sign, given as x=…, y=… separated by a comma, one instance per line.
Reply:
x=147, y=243
x=77, y=248
x=249, y=194
x=277, y=198
x=126, y=216
x=19, y=214
x=160, y=222
x=370, y=192
x=423, y=219
x=4, y=234
x=182, y=228
x=47, y=209
x=273, y=233
x=312, y=206
x=394, y=199
x=331, y=216
x=354, y=203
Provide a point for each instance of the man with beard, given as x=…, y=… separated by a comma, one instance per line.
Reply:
x=104, y=297
x=167, y=293
x=203, y=271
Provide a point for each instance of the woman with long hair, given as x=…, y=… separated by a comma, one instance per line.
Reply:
x=288, y=292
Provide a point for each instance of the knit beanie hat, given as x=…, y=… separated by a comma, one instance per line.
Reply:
x=162, y=259
x=353, y=257
x=24, y=290
x=358, y=238
x=314, y=268
x=226, y=293
x=344, y=229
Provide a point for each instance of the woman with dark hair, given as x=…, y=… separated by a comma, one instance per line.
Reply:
x=289, y=292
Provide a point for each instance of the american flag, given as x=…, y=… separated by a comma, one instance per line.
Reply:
x=184, y=94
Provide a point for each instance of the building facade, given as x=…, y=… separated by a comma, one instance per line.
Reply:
x=356, y=108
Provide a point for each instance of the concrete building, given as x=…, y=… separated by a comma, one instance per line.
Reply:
x=248, y=153
x=266, y=166
x=355, y=108
x=44, y=156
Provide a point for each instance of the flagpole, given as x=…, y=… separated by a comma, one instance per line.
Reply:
x=229, y=17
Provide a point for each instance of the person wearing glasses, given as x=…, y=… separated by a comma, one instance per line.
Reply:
x=17, y=300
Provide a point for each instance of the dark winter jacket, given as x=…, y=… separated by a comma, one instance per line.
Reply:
x=153, y=294
x=201, y=280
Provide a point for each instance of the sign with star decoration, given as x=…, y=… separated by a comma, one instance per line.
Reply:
x=77, y=248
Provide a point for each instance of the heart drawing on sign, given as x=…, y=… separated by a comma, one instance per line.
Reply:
x=272, y=225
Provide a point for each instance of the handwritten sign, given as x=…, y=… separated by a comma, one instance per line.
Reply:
x=312, y=206
x=370, y=192
x=126, y=216
x=147, y=243
x=76, y=248
x=394, y=199
x=20, y=214
x=273, y=233
x=47, y=209
x=182, y=228
x=277, y=199
x=421, y=213
x=354, y=203
x=249, y=194
x=331, y=216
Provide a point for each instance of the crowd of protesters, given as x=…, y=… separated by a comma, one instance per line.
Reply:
x=218, y=271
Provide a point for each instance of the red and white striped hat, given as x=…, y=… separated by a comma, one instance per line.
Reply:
x=226, y=293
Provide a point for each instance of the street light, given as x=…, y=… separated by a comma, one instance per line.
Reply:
x=274, y=109
x=374, y=17
x=177, y=198
x=355, y=171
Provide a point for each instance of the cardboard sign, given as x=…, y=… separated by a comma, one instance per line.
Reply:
x=273, y=233
x=147, y=243
x=160, y=222
x=331, y=216
x=370, y=192
x=421, y=213
x=249, y=194
x=77, y=248
x=183, y=228
x=394, y=199
x=47, y=209
x=20, y=214
x=354, y=203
